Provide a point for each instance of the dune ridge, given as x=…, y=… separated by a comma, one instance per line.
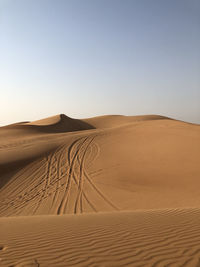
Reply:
x=55, y=124
x=120, y=185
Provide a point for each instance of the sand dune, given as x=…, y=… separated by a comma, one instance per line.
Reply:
x=55, y=124
x=109, y=121
x=63, y=166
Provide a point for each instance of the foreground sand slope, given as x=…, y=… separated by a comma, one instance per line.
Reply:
x=143, y=238
x=126, y=163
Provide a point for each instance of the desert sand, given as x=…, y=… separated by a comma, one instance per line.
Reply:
x=104, y=191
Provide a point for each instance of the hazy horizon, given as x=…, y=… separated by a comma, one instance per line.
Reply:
x=90, y=58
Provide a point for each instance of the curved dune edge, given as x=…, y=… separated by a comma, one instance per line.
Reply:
x=49, y=120
x=144, y=238
x=55, y=124
x=109, y=121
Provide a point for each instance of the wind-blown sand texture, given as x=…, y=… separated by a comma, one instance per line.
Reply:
x=126, y=187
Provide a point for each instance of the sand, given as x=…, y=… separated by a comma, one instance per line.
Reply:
x=104, y=191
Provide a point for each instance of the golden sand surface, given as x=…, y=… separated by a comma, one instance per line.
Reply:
x=105, y=191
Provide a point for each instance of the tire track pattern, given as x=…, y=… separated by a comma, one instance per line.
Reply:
x=56, y=184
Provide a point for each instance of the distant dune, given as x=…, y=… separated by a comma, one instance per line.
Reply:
x=134, y=180
x=55, y=124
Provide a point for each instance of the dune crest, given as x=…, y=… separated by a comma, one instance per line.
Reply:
x=50, y=120
x=55, y=124
x=109, y=121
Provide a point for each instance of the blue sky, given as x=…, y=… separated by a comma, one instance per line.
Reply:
x=93, y=57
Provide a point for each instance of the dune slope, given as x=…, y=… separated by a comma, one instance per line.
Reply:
x=64, y=166
x=106, y=169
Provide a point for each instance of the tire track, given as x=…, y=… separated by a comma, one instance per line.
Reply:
x=47, y=179
x=76, y=183
x=26, y=199
x=74, y=172
x=16, y=176
x=19, y=186
x=71, y=162
x=99, y=192
x=72, y=176
x=20, y=199
x=81, y=181
x=59, y=174
x=84, y=173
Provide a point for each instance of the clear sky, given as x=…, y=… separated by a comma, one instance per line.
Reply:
x=93, y=57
